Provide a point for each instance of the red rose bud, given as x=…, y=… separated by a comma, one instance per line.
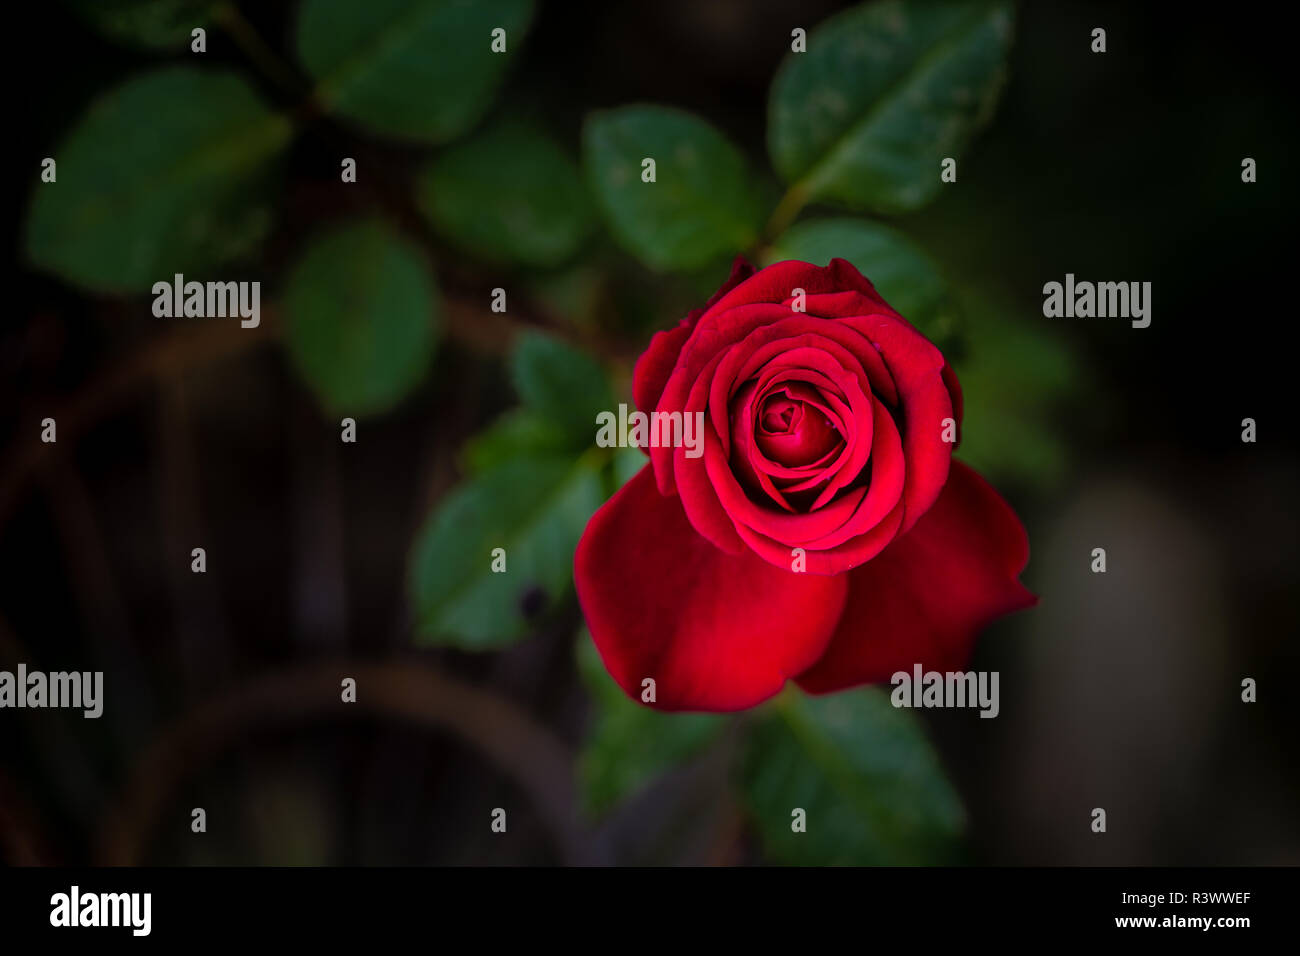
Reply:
x=824, y=533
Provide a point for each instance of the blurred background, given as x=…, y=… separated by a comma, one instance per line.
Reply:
x=1120, y=691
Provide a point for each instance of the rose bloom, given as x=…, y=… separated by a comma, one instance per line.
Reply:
x=825, y=534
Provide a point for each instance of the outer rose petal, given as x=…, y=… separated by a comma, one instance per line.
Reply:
x=715, y=631
x=777, y=283
x=924, y=599
x=657, y=361
x=954, y=392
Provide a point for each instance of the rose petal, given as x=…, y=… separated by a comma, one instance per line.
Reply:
x=925, y=398
x=885, y=488
x=857, y=550
x=690, y=479
x=840, y=535
x=714, y=631
x=698, y=360
x=925, y=598
x=810, y=434
x=747, y=462
x=657, y=361
x=778, y=281
x=954, y=392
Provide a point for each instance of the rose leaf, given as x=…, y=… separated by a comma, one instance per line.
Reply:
x=518, y=432
x=168, y=172
x=703, y=202
x=870, y=786
x=561, y=385
x=421, y=70
x=509, y=194
x=629, y=744
x=1017, y=378
x=534, y=510
x=152, y=24
x=885, y=92
x=362, y=316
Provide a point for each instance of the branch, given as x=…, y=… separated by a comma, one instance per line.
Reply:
x=406, y=690
x=787, y=210
x=21, y=843
x=165, y=356
x=470, y=322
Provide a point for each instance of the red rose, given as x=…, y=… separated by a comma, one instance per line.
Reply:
x=829, y=424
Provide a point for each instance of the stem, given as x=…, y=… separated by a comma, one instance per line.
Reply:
x=170, y=355
x=246, y=37
x=785, y=704
x=164, y=357
x=795, y=198
x=21, y=840
x=403, y=689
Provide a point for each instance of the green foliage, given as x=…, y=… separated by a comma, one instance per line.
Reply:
x=900, y=271
x=362, y=316
x=535, y=508
x=1013, y=380
x=562, y=390
x=871, y=786
x=627, y=462
x=561, y=384
x=531, y=490
x=414, y=69
x=153, y=24
x=886, y=91
x=704, y=203
x=520, y=431
x=167, y=173
x=631, y=744
x=171, y=172
x=509, y=194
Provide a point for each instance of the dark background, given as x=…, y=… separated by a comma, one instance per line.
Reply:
x=1120, y=691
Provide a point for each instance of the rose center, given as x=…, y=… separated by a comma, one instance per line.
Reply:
x=793, y=432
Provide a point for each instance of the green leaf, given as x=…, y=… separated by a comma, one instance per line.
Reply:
x=153, y=24
x=884, y=93
x=703, y=203
x=1013, y=380
x=414, y=69
x=519, y=432
x=167, y=173
x=362, y=315
x=535, y=509
x=864, y=773
x=561, y=385
x=627, y=463
x=631, y=744
x=562, y=390
x=900, y=271
x=509, y=194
